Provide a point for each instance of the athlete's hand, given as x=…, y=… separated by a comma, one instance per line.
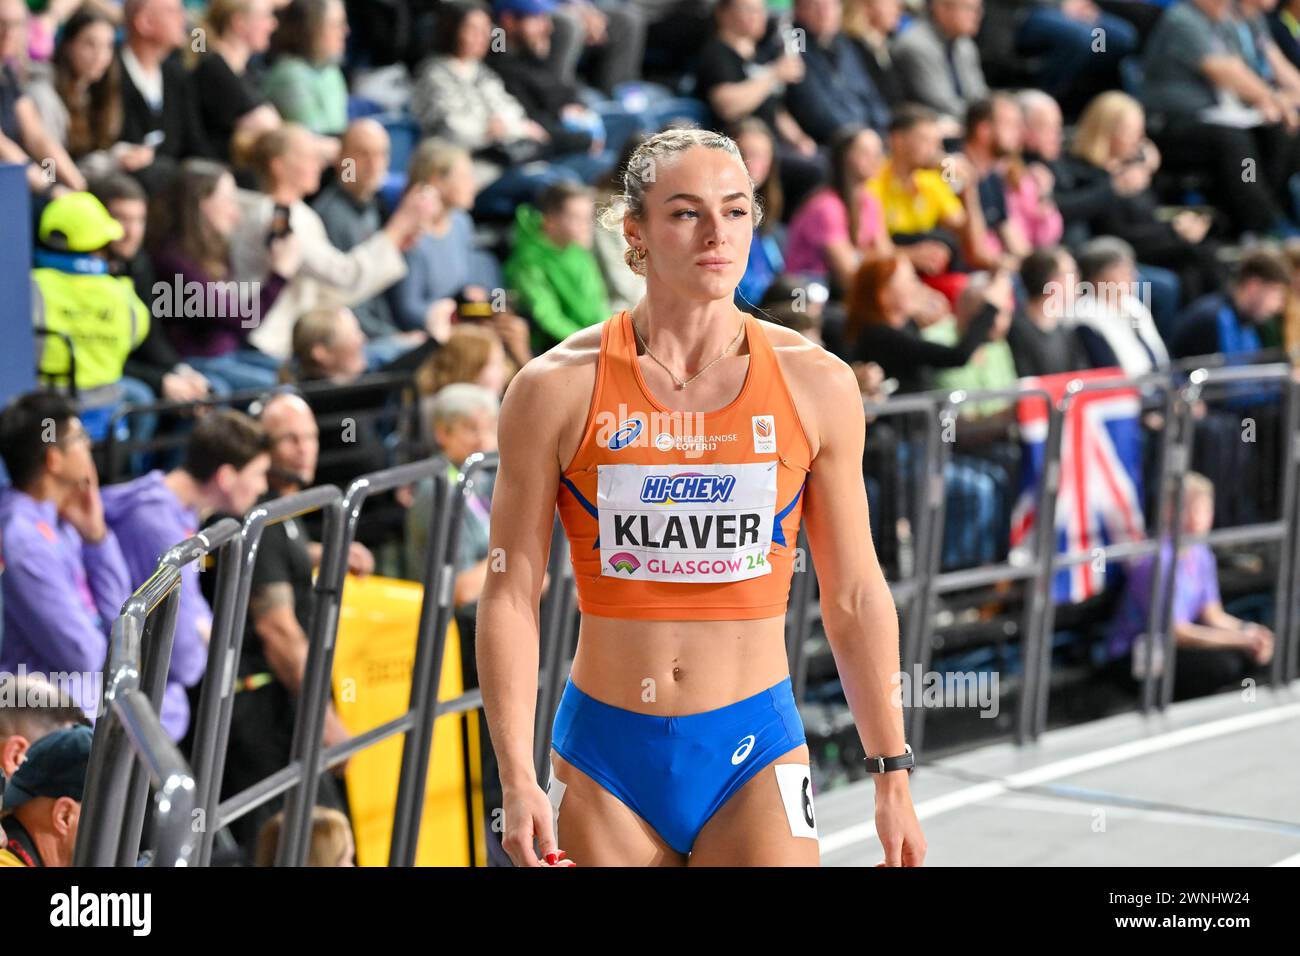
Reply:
x=528, y=817
x=897, y=826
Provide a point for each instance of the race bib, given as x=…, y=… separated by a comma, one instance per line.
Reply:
x=686, y=523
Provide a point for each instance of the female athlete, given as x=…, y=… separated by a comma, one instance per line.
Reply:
x=683, y=441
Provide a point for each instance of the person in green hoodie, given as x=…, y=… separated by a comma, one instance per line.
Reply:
x=552, y=268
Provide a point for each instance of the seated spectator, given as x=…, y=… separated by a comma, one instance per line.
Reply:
x=575, y=132
x=459, y=97
x=1107, y=176
x=444, y=262
x=991, y=366
x=75, y=294
x=606, y=35
x=208, y=318
x=224, y=472
x=836, y=88
x=290, y=171
x=474, y=354
x=824, y=240
x=42, y=800
x=885, y=303
x=65, y=578
x=937, y=231
x=797, y=304
x=1284, y=28
x=939, y=62
x=872, y=24
x=24, y=138
x=463, y=418
x=225, y=83
x=1072, y=65
x=739, y=79
x=331, y=842
x=625, y=287
x=1209, y=110
x=757, y=148
x=154, y=361
x=1019, y=213
x=551, y=266
x=1043, y=128
x=79, y=97
x=30, y=708
x=1041, y=340
x=273, y=659
x=352, y=211
x=1215, y=651
x=305, y=82
x=1231, y=322
x=159, y=108
x=1112, y=320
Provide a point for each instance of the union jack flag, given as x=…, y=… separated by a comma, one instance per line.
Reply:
x=1099, y=501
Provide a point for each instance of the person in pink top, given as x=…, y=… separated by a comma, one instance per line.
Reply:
x=823, y=240
x=1017, y=198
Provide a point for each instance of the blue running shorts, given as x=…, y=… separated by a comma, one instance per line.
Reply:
x=676, y=772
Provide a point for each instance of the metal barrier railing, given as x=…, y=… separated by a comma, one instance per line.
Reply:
x=118, y=452
x=214, y=726
x=130, y=746
x=1172, y=463
x=1257, y=533
x=1035, y=573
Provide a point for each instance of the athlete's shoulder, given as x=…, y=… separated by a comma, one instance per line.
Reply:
x=805, y=360
x=561, y=375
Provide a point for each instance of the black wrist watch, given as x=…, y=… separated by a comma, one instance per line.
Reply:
x=904, y=761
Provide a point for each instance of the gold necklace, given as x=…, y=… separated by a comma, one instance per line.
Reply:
x=682, y=383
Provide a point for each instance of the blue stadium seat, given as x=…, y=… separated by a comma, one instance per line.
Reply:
x=404, y=132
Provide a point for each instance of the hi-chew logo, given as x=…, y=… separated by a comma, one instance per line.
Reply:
x=691, y=487
x=627, y=433
x=764, y=434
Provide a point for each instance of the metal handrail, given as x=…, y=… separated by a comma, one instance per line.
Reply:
x=138, y=658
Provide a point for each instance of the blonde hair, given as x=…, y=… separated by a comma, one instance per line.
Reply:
x=433, y=157
x=270, y=146
x=331, y=834
x=640, y=171
x=1194, y=483
x=1092, y=138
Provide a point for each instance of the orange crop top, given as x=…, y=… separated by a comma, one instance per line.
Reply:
x=676, y=515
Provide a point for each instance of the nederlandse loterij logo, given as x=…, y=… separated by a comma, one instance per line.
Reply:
x=626, y=434
x=624, y=561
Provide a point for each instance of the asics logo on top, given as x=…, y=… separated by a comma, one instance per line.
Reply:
x=626, y=434
x=746, y=745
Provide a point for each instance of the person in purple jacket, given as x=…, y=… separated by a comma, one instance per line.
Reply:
x=224, y=472
x=65, y=578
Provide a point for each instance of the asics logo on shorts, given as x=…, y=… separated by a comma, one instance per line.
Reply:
x=746, y=745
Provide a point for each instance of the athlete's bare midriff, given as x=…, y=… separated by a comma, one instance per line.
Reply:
x=671, y=668
x=666, y=668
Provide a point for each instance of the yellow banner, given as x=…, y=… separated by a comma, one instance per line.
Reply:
x=378, y=623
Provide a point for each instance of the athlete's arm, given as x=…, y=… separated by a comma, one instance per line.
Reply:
x=857, y=609
x=508, y=633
